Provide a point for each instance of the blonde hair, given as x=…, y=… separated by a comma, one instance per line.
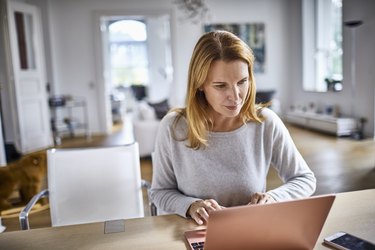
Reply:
x=212, y=46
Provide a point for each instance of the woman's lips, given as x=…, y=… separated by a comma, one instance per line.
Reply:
x=232, y=108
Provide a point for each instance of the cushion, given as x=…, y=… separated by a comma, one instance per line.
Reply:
x=264, y=96
x=161, y=108
x=139, y=91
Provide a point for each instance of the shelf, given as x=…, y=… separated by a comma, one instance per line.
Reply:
x=68, y=116
x=340, y=126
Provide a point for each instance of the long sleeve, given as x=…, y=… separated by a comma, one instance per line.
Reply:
x=299, y=180
x=164, y=191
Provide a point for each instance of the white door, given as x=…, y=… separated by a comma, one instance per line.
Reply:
x=28, y=93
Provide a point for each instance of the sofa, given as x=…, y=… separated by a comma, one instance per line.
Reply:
x=146, y=120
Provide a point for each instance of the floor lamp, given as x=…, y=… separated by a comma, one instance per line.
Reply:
x=353, y=25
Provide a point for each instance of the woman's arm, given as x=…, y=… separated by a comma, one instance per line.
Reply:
x=299, y=180
x=164, y=188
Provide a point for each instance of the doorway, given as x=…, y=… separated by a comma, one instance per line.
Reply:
x=128, y=63
x=135, y=55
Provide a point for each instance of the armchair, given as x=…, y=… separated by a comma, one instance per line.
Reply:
x=145, y=127
x=146, y=123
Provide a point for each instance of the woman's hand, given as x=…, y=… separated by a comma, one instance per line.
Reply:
x=261, y=198
x=200, y=210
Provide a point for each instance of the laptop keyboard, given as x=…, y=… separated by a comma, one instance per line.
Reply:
x=198, y=245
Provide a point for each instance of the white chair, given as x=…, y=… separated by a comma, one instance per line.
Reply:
x=92, y=185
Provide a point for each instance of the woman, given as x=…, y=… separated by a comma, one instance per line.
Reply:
x=217, y=151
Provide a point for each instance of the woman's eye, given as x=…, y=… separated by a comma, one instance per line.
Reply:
x=219, y=86
x=242, y=82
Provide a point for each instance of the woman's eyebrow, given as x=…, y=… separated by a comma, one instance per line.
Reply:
x=223, y=82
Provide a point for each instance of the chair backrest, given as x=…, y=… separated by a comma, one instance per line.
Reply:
x=94, y=184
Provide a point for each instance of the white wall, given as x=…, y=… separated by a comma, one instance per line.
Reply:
x=9, y=130
x=2, y=84
x=352, y=10
x=159, y=55
x=3, y=159
x=73, y=50
x=2, y=90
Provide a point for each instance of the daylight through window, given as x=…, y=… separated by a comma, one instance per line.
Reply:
x=322, y=45
x=128, y=53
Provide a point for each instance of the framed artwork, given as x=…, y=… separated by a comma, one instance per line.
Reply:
x=251, y=33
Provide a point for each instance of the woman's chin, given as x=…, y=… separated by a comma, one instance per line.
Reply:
x=232, y=113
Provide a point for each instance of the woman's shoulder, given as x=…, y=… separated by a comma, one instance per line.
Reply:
x=268, y=113
x=273, y=122
x=173, y=116
x=173, y=123
x=270, y=117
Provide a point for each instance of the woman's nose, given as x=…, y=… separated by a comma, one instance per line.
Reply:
x=234, y=94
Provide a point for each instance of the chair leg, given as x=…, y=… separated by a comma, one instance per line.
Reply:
x=24, y=215
x=153, y=209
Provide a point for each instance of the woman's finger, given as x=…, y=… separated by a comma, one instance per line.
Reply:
x=261, y=198
x=200, y=210
x=215, y=205
x=196, y=217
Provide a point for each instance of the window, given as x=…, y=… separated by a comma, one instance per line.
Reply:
x=322, y=45
x=128, y=53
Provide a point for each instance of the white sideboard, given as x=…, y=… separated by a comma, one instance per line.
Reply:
x=339, y=126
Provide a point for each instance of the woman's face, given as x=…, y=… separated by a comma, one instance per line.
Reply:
x=226, y=87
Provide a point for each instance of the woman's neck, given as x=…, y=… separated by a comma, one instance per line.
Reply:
x=226, y=124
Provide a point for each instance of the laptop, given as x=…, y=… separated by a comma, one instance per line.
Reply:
x=288, y=225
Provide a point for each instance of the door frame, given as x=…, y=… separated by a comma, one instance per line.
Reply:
x=8, y=111
x=103, y=94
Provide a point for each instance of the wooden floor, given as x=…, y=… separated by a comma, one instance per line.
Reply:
x=340, y=164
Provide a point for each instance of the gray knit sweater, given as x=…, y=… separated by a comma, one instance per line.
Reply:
x=230, y=169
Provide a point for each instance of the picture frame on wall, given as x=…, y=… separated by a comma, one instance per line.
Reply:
x=251, y=33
